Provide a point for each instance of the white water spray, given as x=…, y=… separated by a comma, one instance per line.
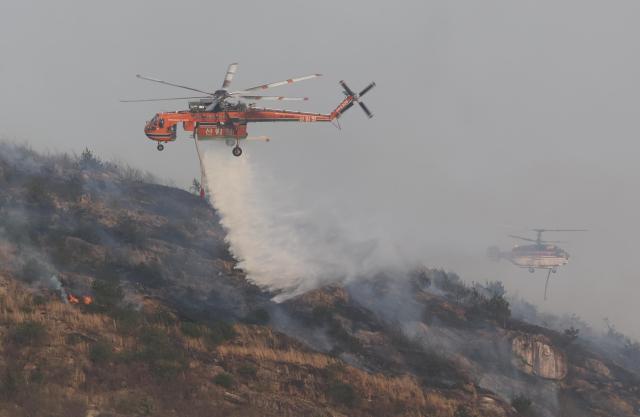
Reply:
x=280, y=246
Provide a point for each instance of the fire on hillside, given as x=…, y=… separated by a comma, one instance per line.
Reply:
x=79, y=299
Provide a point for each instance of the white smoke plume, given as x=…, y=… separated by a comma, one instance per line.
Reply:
x=279, y=245
x=56, y=285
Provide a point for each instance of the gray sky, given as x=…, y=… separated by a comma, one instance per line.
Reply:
x=491, y=117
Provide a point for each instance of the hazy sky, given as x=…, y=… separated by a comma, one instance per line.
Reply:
x=491, y=117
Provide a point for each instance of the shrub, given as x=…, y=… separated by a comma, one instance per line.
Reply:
x=108, y=294
x=466, y=411
x=164, y=317
x=571, y=334
x=521, y=403
x=29, y=333
x=150, y=275
x=341, y=393
x=167, y=369
x=37, y=193
x=10, y=384
x=37, y=376
x=73, y=188
x=224, y=380
x=39, y=300
x=128, y=231
x=219, y=332
x=160, y=353
x=495, y=288
x=420, y=278
x=498, y=308
x=157, y=345
x=192, y=330
x=134, y=405
x=73, y=339
x=195, y=187
x=101, y=352
x=258, y=316
x=248, y=371
x=127, y=319
x=88, y=161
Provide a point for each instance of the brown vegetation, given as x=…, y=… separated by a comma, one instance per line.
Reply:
x=73, y=359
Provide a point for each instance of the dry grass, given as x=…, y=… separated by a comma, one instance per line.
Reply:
x=289, y=356
x=377, y=391
x=60, y=319
x=403, y=389
x=290, y=379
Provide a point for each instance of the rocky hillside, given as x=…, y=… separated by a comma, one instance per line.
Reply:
x=163, y=324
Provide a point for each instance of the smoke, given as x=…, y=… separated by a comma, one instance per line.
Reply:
x=279, y=245
x=56, y=285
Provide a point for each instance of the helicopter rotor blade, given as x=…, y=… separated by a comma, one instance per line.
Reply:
x=278, y=83
x=346, y=88
x=272, y=98
x=162, y=99
x=522, y=238
x=155, y=80
x=347, y=107
x=365, y=109
x=366, y=89
x=559, y=230
x=231, y=72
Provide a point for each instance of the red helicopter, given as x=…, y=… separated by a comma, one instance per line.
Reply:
x=213, y=116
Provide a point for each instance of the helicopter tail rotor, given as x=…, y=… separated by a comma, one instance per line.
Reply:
x=356, y=98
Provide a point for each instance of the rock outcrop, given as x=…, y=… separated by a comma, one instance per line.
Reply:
x=535, y=355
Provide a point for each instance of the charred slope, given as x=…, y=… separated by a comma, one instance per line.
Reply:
x=82, y=219
x=175, y=329
x=452, y=336
x=158, y=338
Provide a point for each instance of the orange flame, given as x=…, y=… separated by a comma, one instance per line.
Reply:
x=84, y=299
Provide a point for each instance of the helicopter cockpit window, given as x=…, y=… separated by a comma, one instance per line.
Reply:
x=161, y=123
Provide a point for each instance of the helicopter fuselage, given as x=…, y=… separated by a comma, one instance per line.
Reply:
x=228, y=124
x=537, y=256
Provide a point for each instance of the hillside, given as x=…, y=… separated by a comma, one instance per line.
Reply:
x=174, y=329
